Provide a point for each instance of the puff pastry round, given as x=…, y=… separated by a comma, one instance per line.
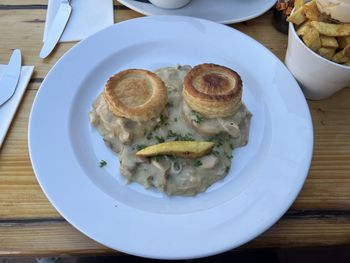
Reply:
x=136, y=94
x=213, y=90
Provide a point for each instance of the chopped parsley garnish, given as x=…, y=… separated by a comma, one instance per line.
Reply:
x=139, y=147
x=198, y=163
x=219, y=139
x=179, y=137
x=216, y=153
x=228, y=156
x=149, y=136
x=175, y=119
x=227, y=169
x=160, y=139
x=163, y=121
x=103, y=163
x=198, y=118
x=176, y=166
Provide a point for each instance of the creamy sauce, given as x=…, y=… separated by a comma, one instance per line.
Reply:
x=172, y=175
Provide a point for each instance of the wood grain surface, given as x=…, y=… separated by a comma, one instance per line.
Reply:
x=30, y=226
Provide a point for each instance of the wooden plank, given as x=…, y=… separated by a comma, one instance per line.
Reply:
x=58, y=238
x=20, y=194
x=29, y=26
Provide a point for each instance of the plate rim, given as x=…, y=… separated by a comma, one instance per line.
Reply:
x=129, y=4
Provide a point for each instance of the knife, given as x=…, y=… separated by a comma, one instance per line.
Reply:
x=9, y=80
x=56, y=30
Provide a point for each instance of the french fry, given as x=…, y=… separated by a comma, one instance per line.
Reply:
x=311, y=11
x=326, y=52
x=331, y=30
x=329, y=42
x=346, y=51
x=340, y=57
x=312, y=39
x=298, y=4
x=303, y=28
x=343, y=41
x=298, y=16
x=186, y=149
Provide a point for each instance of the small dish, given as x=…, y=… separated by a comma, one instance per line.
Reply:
x=318, y=76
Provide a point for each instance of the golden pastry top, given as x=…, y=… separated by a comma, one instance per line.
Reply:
x=136, y=94
x=213, y=90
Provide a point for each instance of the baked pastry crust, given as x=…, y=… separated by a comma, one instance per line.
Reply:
x=136, y=94
x=212, y=90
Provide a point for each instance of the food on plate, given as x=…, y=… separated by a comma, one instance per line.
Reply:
x=324, y=27
x=213, y=91
x=173, y=147
x=186, y=149
x=136, y=94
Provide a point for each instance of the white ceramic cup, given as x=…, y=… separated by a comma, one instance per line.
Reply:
x=319, y=77
x=170, y=4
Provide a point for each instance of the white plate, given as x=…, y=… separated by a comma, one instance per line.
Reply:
x=221, y=11
x=266, y=175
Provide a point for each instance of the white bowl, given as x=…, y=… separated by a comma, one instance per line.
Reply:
x=318, y=76
x=170, y=4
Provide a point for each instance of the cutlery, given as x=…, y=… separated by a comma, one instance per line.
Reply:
x=9, y=80
x=58, y=25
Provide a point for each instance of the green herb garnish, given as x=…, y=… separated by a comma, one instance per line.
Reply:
x=139, y=147
x=198, y=118
x=227, y=169
x=176, y=166
x=179, y=137
x=219, y=139
x=103, y=163
x=149, y=136
x=197, y=163
x=160, y=139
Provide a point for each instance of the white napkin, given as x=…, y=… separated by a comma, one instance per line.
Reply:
x=8, y=110
x=88, y=17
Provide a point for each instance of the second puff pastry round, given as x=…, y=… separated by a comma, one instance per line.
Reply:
x=136, y=94
x=212, y=90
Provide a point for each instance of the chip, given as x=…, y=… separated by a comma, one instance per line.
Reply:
x=331, y=30
x=329, y=41
x=312, y=39
x=298, y=16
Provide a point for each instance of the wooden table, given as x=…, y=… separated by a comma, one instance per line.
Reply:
x=30, y=226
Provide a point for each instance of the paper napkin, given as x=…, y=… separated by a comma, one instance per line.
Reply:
x=87, y=18
x=8, y=110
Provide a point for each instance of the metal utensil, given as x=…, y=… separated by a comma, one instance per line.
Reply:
x=9, y=80
x=58, y=25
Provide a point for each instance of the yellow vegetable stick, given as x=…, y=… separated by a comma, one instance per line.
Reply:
x=311, y=11
x=329, y=41
x=298, y=4
x=298, y=16
x=312, y=39
x=326, y=52
x=303, y=28
x=187, y=149
x=332, y=30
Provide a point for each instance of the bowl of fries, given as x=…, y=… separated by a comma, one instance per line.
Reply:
x=318, y=53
